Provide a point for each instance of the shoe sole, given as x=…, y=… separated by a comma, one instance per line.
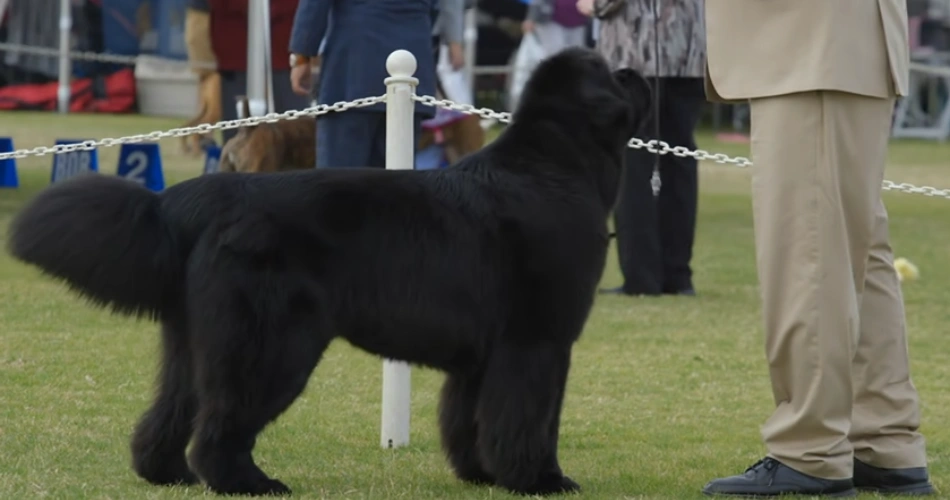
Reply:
x=839, y=494
x=913, y=489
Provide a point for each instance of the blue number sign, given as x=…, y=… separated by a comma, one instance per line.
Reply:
x=73, y=163
x=212, y=159
x=142, y=163
x=8, y=176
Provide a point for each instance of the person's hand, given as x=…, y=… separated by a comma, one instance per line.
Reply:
x=300, y=79
x=456, y=55
x=527, y=27
x=585, y=7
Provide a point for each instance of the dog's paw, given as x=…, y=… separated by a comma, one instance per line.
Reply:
x=186, y=478
x=261, y=487
x=273, y=487
x=171, y=473
x=476, y=477
x=568, y=485
x=180, y=478
x=553, y=485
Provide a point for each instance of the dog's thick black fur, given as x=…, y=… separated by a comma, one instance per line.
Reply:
x=485, y=270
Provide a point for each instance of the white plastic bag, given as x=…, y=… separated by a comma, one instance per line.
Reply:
x=530, y=53
x=454, y=81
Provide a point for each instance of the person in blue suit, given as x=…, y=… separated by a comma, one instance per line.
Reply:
x=359, y=36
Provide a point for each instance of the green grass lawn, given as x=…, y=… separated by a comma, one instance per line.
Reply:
x=664, y=394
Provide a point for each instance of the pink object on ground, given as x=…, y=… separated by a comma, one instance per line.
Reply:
x=733, y=137
x=442, y=118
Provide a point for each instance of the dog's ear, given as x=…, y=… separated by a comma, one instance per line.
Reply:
x=636, y=86
x=639, y=93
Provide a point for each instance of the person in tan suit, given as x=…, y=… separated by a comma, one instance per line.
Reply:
x=821, y=78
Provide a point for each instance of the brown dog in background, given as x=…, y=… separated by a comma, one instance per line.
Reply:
x=271, y=147
x=291, y=144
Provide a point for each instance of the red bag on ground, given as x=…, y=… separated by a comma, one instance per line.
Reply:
x=119, y=90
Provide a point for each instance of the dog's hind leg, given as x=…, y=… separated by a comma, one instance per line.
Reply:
x=518, y=416
x=254, y=358
x=458, y=428
x=162, y=434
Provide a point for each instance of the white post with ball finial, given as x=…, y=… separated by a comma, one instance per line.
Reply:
x=400, y=155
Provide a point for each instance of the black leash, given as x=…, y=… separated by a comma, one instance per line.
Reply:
x=655, y=180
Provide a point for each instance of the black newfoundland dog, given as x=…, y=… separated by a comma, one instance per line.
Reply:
x=485, y=270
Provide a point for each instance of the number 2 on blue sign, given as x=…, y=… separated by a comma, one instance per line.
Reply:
x=138, y=160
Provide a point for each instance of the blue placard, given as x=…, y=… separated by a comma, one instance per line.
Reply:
x=142, y=163
x=212, y=159
x=8, y=176
x=73, y=163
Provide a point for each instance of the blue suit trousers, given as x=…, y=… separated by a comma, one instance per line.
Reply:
x=355, y=138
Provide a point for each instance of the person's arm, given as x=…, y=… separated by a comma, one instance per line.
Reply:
x=450, y=28
x=306, y=42
x=534, y=13
x=310, y=26
x=539, y=11
x=452, y=23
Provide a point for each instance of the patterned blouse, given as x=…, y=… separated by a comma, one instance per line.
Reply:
x=626, y=37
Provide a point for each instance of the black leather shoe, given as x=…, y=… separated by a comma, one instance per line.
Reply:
x=769, y=477
x=912, y=481
x=679, y=287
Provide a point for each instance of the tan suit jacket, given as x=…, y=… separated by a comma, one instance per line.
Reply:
x=763, y=48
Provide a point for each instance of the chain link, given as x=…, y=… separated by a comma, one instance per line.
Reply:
x=486, y=113
x=905, y=187
x=662, y=147
x=320, y=109
x=89, y=56
x=653, y=146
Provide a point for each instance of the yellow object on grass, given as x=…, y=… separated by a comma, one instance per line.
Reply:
x=906, y=270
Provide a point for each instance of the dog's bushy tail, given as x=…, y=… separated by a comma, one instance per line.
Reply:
x=107, y=238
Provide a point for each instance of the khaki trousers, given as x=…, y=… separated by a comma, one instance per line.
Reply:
x=834, y=319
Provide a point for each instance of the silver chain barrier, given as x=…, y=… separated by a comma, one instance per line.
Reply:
x=653, y=145
x=662, y=147
x=320, y=109
x=88, y=56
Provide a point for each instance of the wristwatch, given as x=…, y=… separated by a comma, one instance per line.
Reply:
x=299, y=60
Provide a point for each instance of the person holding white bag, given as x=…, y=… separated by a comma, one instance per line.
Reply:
x=549, y=27
x=449, y=28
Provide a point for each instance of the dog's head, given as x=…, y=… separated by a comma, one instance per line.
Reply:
x=592, y=112
x=638, y=93
x=578, y=85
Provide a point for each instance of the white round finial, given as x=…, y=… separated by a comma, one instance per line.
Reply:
x=401, y=63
